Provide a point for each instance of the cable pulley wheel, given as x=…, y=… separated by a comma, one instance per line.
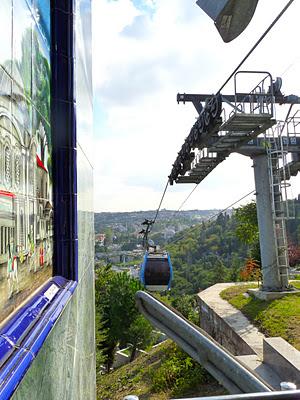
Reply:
x=213, y=103
x=206, y=117
x=200, y=123
x=191, y=137
x=196, y=134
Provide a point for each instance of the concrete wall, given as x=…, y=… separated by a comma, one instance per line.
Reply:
x=120, y=359
x=227, y=324
x=221, y=331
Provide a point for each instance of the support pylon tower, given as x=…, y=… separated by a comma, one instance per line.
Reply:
x=278, y=172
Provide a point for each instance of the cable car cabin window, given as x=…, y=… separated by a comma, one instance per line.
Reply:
x=26, y=178
x=157, y=272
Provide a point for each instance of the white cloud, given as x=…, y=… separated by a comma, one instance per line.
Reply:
x=137, y=74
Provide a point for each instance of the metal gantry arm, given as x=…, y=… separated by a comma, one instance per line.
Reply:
x=198, y=99
x=251, y=114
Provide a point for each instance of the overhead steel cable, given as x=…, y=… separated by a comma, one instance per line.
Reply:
x=231, y=205
x=160, y=203
x=295, y=60
x=286, y=118
x=212, y=217
x=257, y=43
x=186, y=199
x=148, y=223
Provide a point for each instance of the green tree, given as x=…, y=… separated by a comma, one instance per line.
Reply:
x=108, y=236
x=122, y=308
x=247, y=227
x=220, y=272
x=115, y=302
x=105, y=348
x=234, y=272
x=100, y=339
x=247, y=231
x=187, y=306
x=130, y=245
x=139, y=334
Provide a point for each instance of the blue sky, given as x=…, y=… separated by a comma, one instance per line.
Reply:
x=144, y=53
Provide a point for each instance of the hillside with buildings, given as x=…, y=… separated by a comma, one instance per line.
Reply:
x=117, y=238
x=131, y=221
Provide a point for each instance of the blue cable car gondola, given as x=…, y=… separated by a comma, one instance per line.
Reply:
x=156, y=271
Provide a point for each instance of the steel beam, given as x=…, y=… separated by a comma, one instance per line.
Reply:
x=239, y=97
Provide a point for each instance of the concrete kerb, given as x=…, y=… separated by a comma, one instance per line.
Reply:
x=268, y=296
x=236, y=333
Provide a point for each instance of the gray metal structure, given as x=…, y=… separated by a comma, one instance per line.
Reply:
x=272, y=277
x=251, y=114
x=213, y=139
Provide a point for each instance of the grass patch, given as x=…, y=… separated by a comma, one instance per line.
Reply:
x=296, y=284
x=279, y=317
x=166, y=372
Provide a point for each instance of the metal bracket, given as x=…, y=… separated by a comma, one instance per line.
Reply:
x=194, y=98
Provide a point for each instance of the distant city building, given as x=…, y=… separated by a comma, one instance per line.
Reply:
x=100, y=238
x=134, y=271
x=121, y=228
x=169, y=233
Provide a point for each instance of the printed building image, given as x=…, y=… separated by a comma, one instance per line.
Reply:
x=47, y=345
x=25, y=197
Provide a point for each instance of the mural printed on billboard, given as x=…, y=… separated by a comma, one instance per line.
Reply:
x=26, y=212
